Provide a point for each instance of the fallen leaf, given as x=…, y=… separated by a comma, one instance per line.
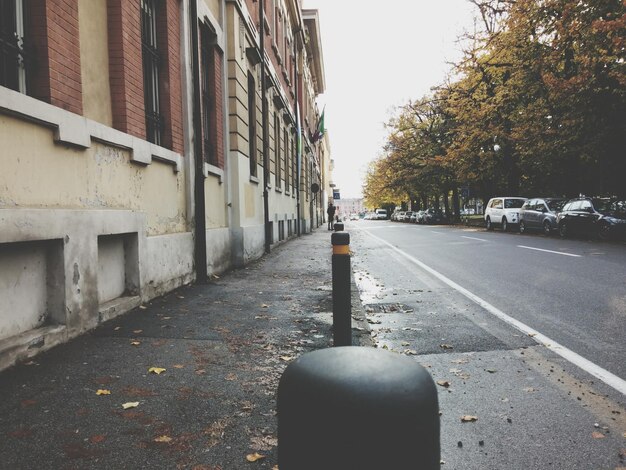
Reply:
x=532, y=334
x=143, y=307
x=180, y=296
x=157, y=370
x=275, y=467
x=410, y=352
x=469, y=418
x=165, y=439
x=97, y=438
x=178, y=366
x=287, y=358
x=137, y=331
x=117, y=328
x=130, y=404
x=405, y=343
x=167, y=318
x=446, y=346
x=443, y=383
x=103, y=392
x=200, y=372
x=254, y=457
x=265, y=306
x=597, y=435
x=135, y=343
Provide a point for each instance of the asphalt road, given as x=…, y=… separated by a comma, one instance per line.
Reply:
x=528, y=331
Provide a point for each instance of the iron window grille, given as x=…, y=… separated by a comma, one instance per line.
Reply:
x=150, y=57
x=252, y=124
x=208, y=94
x=13, y=55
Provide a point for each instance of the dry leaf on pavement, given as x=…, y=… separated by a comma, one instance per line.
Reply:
x=443, y=383
x=130, y=404
x=446, y=346
x=469, y=418
x=254, y=457
x=135, y=343
x=597, y=435
x=164, y=439
x=103, y=392
x=157, y=370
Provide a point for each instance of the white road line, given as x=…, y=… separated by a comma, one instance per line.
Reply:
x=440, y=233
x=604, y=375
x=549, y=251
x=474, y=238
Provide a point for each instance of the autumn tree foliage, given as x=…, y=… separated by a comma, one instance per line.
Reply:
x=538, y=107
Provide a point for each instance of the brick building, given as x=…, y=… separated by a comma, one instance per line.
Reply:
x=140, y=151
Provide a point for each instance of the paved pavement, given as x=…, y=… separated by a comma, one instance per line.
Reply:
x=223, y=347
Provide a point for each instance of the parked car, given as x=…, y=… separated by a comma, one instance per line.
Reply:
x=400, y=216
x=407, y=216
x=434, y=216
x=601, y=217
x=381, y=214
x=413, y=218
x=503, y=211
x=419, y=218
x=540, y=214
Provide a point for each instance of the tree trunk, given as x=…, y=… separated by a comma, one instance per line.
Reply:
x=456, y=204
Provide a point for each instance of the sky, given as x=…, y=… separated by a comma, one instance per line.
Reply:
x=376, y=59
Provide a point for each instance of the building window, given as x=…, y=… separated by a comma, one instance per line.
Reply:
x=12, y=54
x=150, y=57
x=252, y=123
x=277, y=154
x=286, y=157
x=209, y=98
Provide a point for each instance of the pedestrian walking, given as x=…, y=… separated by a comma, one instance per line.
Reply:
x=331, y=215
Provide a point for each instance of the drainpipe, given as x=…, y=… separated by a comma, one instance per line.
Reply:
x=298, y=137
x=200, y=254
x=266, y=144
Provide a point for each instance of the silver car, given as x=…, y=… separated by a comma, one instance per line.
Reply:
x=540, y=214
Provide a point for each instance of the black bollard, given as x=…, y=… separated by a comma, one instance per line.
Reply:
x=357, y=408
x=342, y=307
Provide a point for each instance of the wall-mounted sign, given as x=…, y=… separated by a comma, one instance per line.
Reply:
x=336, y=195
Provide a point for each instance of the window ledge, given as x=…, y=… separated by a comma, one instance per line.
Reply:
x=254, y=179
x=78, y=131
x=214, y=171
x=279, y=189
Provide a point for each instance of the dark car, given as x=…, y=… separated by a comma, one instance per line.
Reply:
x=600, y=217
x=434, y=216
x=540, y=214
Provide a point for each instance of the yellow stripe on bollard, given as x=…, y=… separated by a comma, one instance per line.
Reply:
x=341, y=249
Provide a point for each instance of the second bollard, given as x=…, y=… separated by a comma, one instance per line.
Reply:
x=342, y=308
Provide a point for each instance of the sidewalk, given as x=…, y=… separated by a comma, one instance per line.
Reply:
x=223, y=347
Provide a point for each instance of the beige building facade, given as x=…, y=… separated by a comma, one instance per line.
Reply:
x=138, y=154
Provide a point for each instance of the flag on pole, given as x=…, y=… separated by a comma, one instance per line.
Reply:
x=319, y=131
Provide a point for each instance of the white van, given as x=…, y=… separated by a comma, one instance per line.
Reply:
x=381, y=214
